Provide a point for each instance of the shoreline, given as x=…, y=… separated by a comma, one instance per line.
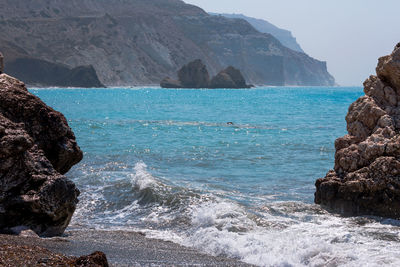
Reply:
x=122, y=248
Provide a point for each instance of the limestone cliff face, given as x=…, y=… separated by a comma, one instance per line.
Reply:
x=137, y=42
x=366, y=177
x=284, y=36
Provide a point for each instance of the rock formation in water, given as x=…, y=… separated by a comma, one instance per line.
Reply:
x=139, y=42
x=229, y=78
x=195, y=75
x=366, y=177
x=36, y=148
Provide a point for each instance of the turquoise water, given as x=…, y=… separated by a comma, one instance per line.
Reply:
x=168, y=163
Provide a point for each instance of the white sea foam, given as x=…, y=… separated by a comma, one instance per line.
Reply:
x=275, y=234
x=224, y=228
x=142, y=179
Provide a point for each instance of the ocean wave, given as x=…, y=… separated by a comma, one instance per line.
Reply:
x=273, y=233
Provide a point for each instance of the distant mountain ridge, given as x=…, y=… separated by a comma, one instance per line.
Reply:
x=139, y=42
x=284, y=36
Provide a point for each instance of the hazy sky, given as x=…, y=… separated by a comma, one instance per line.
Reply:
x=349, y=34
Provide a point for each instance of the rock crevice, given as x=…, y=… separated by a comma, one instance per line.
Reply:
x=366, y=176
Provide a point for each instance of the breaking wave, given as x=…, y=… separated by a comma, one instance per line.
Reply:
x=270, y=234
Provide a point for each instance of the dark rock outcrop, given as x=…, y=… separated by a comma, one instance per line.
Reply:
x=195, y=75
x=36, y=148
x=43, y=73
x=229, y=78
x=366, y=177
x=139, y=42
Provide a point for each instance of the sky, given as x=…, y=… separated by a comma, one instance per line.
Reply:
x=350, y=35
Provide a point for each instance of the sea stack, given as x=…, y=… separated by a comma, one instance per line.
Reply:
x=195, y=75
x=36, y=148
x=366, y=176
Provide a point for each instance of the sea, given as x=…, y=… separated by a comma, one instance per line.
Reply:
x=228, y=172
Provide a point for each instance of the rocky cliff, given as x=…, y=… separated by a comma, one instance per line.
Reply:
x=137, y=42
x=284, y=36
x=38, y=72
x=366, y=177
x=36, y=148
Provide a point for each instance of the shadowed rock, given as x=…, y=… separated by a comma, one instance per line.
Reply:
x=229, y=78
x=366, y=177
x=36, y=148
x=43, y=73
x=194, y=75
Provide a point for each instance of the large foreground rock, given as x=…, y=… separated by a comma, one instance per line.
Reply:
x=36, y=148
x=366, y=177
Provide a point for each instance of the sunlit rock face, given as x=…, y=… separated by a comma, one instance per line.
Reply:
x=366, y=177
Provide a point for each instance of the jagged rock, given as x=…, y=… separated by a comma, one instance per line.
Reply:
x=194, y=75
x=229, y=78
x=366, y=177
x=170, y=83
x=36, y=148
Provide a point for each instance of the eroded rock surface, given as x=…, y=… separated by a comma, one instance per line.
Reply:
x=36, y=148
x=366, y=176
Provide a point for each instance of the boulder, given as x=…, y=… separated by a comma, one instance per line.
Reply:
x=36, y=148
x=366, y=176
x=194, y=75
x=229, y=78
x=170, y=83
x=222, y=80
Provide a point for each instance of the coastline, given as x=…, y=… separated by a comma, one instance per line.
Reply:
x=122, y=248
